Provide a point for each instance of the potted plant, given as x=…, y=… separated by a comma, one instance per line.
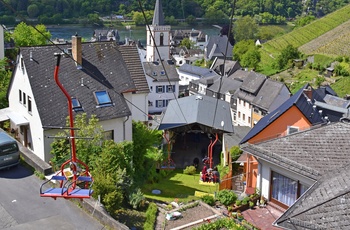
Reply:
x=239, y=216
x=251, y=204
x=262, y=202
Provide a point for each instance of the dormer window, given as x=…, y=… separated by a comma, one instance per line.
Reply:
x=162, y=72
x=154, y=73
x=76, y=105
x=102, y=98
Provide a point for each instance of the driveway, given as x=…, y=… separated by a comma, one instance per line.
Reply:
x=21, y=206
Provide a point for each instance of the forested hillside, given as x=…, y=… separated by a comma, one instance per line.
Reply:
x=58, y=10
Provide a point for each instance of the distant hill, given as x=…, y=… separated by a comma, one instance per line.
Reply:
x=325, y=35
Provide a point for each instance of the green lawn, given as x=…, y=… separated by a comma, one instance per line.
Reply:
x=178, y=186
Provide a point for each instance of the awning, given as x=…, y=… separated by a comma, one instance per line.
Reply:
x=242, y=159
x=16, y=118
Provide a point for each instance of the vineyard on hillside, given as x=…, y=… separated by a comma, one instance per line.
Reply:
x=306, y=34
x=333, y=43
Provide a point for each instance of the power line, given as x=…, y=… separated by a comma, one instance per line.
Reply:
x=158, y=53
x=225, y=54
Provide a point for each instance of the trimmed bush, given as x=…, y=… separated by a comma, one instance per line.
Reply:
x=190, y=170
x=151, y=216
x=208, y=200
x=226, y=197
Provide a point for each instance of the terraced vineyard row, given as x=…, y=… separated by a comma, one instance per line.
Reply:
x=309, y=32
x=334, y=42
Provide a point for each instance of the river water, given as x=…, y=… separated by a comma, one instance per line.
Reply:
x=135, y=33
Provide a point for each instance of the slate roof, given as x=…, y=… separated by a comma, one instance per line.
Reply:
x=325, y=90
x=253, y=82
x=239, y=74
x=197, y=113
x=324, y=206
x=225, y=85
x=310, y=153
x=230, y=66
x=103, y=68
x=196, y=70
x=158, y=16
x=300, y=101
x=233, y=139
x=216, y=47
x=268, y=94
x=336, y=101
x=133, y=62
x=156, y=71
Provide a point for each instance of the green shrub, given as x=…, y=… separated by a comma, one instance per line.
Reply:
x=238, y=202
x=208, y=200
x=151, y=216
x=190, y=170
x=226, y=197
x=136, y=199
x=245, y=200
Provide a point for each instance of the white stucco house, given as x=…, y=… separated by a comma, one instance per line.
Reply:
x=101, y=78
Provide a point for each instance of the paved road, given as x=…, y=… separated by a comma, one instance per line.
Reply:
x=21, y=206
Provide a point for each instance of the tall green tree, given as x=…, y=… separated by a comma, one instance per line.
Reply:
x=241, y=48
x=4, y=82
x=25, y=35
x=245, y=28
x=287, y=55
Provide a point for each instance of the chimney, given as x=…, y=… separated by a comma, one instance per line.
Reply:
x=308, y=92
x=76, y=49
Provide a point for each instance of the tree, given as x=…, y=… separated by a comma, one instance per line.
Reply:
x=241, y=48
x=33, y=10
x=245, y=28
x=287, y=54
x=25, y=35
x=186, y=42
x=251, y=58
x=4, y=82
x=146, y=152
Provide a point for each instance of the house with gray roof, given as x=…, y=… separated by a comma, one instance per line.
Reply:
x=103, y=35
x=324, y=206
x=218, y=46
x=189, y=73
x=197, y=113
x=256, y=97
x=163, y=82
x=225, y=67
x=305, y=173
x=96, y=77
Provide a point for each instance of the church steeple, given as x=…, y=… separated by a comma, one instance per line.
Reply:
x=158, y=17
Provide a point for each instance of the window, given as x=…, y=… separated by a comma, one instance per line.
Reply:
x=170, y=88
x=29, y=104
x=234, y=116
x=243, y=117
x=20, y=96
x=244, y=104
x=76, y=105
x=160, y=89
x=108, y=135
x=286, y=190
x=239, y=114
x=292, y=129
x=159, y=104
x=161, y=39
x=150, y=103
x=151, y=88
x=102, y=98
x=249, y=120
x=24, y=99
x=162, y=72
